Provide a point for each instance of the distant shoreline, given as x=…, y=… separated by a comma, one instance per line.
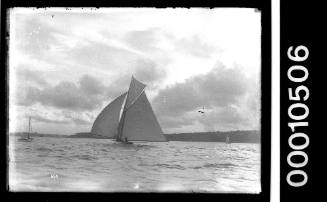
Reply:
x=239, y=136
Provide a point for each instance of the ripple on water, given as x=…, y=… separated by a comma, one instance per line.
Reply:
x=215, y=165
x=84, y=157
x=42, y=155
x=104, y=150
x=43, y=149
x=170, y=166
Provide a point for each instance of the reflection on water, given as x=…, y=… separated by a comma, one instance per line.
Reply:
x=76, y=164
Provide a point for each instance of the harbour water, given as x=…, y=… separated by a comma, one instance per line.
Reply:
x=102, y=165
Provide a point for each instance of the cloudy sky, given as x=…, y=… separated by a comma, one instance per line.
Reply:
x=66, y=65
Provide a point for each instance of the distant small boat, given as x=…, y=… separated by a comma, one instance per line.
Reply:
x=129, y=117
x=227, y=140
x=28, y=138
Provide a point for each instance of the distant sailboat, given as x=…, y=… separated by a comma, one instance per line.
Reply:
x=28, y=138
x=227, y=140
x=129, y=118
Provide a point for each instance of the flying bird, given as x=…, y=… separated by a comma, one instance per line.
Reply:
x=202, y=112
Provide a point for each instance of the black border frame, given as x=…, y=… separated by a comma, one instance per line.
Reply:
x=264, y=6
x=300, y=24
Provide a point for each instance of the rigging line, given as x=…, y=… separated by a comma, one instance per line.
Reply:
x=122, y=119
x=122, y=107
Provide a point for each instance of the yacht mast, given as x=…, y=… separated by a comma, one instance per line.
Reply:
x=29, y=128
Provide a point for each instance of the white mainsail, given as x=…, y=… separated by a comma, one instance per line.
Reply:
x=129, y=117
x=106, y=123
x=141, y=123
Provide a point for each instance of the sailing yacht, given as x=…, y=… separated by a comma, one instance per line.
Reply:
x=28, y=138
x=129, y=118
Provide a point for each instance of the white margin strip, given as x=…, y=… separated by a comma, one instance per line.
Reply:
x=275, y=103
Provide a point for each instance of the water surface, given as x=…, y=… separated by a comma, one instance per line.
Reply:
x=101, y=165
